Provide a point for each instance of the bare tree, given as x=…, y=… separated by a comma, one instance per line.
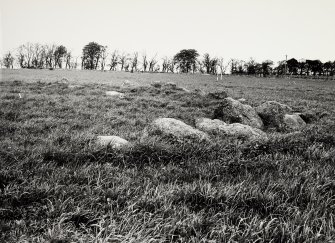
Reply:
x=123, y=61
x=49, y=55
x=25, y=55
x=222, y=66
x=37, y=56
x=165, y=65
x=68, y=58
x=134, y=63
x=171, y=65
x=21, y=59
x=114, y=60
x=144, y=62
x=152, y=63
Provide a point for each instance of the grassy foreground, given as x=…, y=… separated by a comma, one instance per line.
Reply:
x=56, y=185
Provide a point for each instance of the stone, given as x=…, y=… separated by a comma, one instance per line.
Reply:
x=272, y=114
x=183, y=89
x=235, y=129
x=233, y=111
x=242, y=100
x=200, y=92
x=115, y=94
x=293, y=122
x=312, y=116
x=74, y=86
x=174, y=129
x=308, y=117
x=157, y=84
x=63, y=81
x=218, y=95
x=171, y=85
x=126, y=83
x=113, y=141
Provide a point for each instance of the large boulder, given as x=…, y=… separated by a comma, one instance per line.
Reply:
x=113, y=141
x=235, y=129
x=272, y=114
x=174, y=129
x=293, y=122
x=233, y=111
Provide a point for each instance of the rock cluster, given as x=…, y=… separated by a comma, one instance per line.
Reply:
x=231, y=118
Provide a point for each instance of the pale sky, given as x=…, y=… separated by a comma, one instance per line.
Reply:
x=262, y=29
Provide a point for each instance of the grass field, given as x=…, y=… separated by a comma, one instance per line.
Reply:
x=57, y=185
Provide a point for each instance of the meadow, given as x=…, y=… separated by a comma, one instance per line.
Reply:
x=57, y=185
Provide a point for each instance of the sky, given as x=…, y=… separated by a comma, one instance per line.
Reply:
x=239, y=29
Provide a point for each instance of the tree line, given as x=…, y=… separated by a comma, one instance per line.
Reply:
x=289, y=67
x=97, y=57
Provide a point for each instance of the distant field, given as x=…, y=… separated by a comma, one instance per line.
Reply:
x=56, y=184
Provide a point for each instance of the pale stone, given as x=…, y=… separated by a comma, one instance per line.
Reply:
x=113, y=141
x=293, y=122
x=115, y=94
x=173, y=128
x=171, y=85
x=235, y=129
x=183, y=89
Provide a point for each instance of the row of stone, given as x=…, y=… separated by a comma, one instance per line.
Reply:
x=178, y=131
x=231, y=118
